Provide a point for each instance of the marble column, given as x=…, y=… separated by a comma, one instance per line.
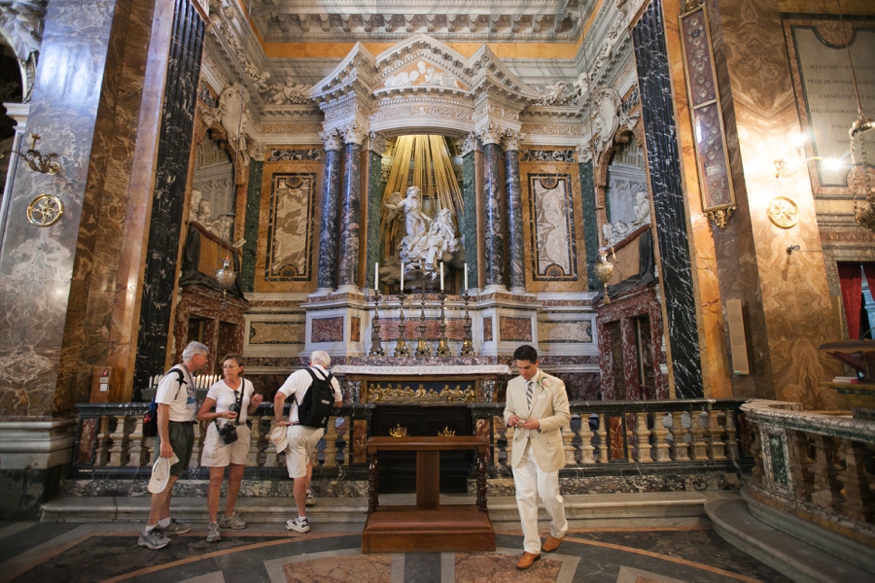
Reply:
x=350, y=211
x=493, y=215
x=590, y=217
x=663, y=158
x=171, y=173
x=376, y=186
x=327, y=277
x=470, y=240
x=514, y=211
x=250, y=232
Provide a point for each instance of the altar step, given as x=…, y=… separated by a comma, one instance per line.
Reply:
x=656, y=509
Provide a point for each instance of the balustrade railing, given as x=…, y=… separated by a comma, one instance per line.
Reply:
x=816, y=466
x=613, y=437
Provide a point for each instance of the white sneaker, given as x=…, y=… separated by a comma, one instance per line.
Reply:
x=213, y=534
x=233, y=522
x=154, y=539
x=298, y=525
x=311, y=500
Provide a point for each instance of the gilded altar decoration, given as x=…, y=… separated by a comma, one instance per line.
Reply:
x=783, y=212
x=398, y=431
x=398, y=394
x=446, y=432
x=45, y=210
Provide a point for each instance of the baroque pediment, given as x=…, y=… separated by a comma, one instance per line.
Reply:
x=421, y=62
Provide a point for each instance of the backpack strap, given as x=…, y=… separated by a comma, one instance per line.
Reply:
x=181, y=381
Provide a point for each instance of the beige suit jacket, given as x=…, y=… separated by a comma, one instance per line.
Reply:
x=550, y=407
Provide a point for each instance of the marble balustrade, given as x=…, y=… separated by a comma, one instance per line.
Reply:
x=815, y=466
x=603, y=438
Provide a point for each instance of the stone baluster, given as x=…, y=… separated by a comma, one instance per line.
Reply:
x=800, y=464
x=255, y=436
x=857, y=482
x=827, y=488
x=331, y=444
x=758, y=472
x=586, y=447
x=567, y=439
x=116, y=449
x=603, y=440
x=700, y=446
x=509, y=450
x=732, y=451
x=138, y=449
x=679, y=446
x=714, y=436
x=270, y=454
x=104, y=441
x=199, y=435
x=659, y=438
x=630, y=437
x=642, y=435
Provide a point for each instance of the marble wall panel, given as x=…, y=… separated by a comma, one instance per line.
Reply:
x=515, y=329
x=663, y=160
x=37, y=263
x=554, y=227
x=327, y=330
x=796, y=312
x=276, y=332
x=286, y=259
x=171, y=177
x=567, y=331
x=355, y=329
x=250, y=233
x=487, y=330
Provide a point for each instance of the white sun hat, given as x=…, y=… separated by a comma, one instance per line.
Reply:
x=161, y=473
x=279, y=437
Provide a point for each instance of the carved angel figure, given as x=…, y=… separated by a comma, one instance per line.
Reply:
x=289, y=92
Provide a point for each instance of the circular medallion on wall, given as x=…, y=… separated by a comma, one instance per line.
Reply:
x=783, y=212
x=45, y=210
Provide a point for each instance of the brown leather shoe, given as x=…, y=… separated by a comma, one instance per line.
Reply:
x=527, y=560
x=551, y=544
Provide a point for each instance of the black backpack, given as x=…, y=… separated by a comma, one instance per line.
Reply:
x=150, y=419
x=318, y=403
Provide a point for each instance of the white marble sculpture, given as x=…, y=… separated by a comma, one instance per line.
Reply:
x=423, y=248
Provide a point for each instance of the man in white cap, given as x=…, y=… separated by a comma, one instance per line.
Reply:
x=177, y=414
x=302, y=439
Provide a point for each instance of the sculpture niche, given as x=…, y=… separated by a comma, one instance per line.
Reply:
x=427, y=241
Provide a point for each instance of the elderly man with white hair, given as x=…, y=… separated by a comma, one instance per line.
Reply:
x=303, y=438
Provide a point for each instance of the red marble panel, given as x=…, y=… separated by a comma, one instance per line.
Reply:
x=487, y=329
x=615, y=434
x=359, y=441
x=355, y=329
x=327, y=329
x=87, y=430
x=515, y=329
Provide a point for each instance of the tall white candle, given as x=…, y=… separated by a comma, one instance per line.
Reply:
x=466, y=277
x=442, y=276
x=377, y=276
x=402, y=277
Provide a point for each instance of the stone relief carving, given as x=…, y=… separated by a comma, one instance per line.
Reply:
x=289, y=92
x=233, y=115
x=555, y=94
x=21, y=25
x=259, y=79
x=618, y=230
x=421, y=73
x=609, y=117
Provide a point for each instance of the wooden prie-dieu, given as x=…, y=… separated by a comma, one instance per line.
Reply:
x=427, y=526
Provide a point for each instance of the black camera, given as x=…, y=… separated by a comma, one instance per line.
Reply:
x=228, y=433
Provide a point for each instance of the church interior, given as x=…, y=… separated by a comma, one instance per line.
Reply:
x=673, y=201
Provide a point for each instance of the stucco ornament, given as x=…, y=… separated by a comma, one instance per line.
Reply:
x=232, y=114
x=289, y=92
x=21, y=25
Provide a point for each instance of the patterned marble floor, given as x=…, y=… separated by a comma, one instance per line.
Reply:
x=57, y=552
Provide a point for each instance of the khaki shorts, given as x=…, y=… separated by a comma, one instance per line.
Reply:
x=302, y=442
x=182, y=441
x=218, y=455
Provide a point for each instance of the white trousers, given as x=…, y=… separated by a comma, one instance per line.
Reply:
x=531, y=482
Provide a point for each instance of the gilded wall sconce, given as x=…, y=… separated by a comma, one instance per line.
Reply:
x=39, y=162
x=45, y=210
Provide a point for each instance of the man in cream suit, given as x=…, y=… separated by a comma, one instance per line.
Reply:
x=537, y=409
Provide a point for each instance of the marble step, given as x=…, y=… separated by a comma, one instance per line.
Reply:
x=644, y=509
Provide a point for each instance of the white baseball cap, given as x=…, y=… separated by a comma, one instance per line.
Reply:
x=279, y=437
x=161, y=473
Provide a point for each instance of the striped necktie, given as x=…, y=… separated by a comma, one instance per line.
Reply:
x=530, y=392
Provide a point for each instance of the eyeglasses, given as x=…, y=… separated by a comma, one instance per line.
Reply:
x=230, y=366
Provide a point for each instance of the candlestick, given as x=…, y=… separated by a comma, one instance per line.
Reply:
x=442, y=276
x=376, y=344
x=466, y=278
x=467, y=344
x=402, y=277
x=401, y=346
x=422, y=348
x=377, y=276
x=443, y=345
